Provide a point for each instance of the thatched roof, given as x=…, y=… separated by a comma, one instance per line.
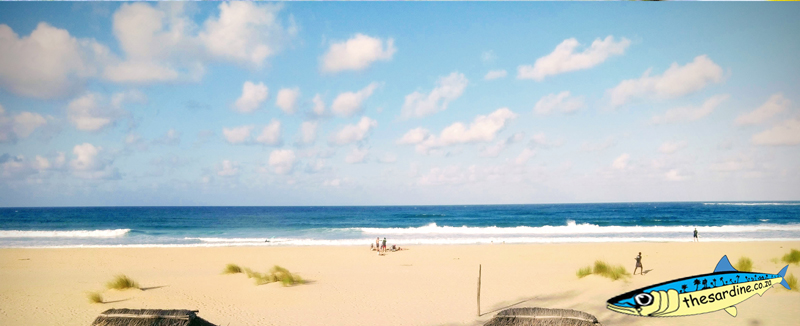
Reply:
x=149, y=317
x=542, y=317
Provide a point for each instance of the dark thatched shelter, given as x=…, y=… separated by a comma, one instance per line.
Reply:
x=149, y=317
x=542, y=317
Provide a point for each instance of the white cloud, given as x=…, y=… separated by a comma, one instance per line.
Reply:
x=88, y=163
x=558, y=102
x=495, y=74
x=354, y=133
x=47, y=63
x=564, y=59
x=674, y=82
x=675, y=175
x=495, y=149
x=449, y=88
x=488, y=56
x=349, y=103
x=733, y=164
x=246, y=32
x=237, y=135
x=452, y=175
x=319, y=105
x=688, y=113
x=525, y=156
x=228, y=169
x=252, y=97
x=784, y=133
x=357, y=155
x=20, y=126
x=621, y=162
x=308, y=132
x=172, y=137
x=287, y=99
x=357, y=53
x=282, y=161
x=483, y=129
x=270, y=134
x=89, y=114
x=671, y=147
x=774, y=105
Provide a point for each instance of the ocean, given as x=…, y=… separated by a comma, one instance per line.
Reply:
x=401, y=225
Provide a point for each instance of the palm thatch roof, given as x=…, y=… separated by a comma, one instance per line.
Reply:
x=149, y=317
x=534, y=316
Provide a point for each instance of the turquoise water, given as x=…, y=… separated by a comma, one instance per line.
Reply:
x=252, y=226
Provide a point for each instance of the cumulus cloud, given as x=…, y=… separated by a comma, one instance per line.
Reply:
x=252, y=97
x=308, y=132
x=448, y=89
x=350, y=103
x=20, y=126
x=565, y=59
x=785, y=133
x=319, y=105
x=90, y=164
x=287, y=99
x=228, y=169
x=495, y=149
x=621, y=162
x=237, y=135
x=282, y=161
x=93, y=111
x=774, y=105
x=689, y=113
x=671, y=147
x=357, y=155
x=524, y=156
x=246, y=32
x=357, y=53
x=558, y=102
x=355, y=132
x=483, y=129
x=674, y=82
x=270, y=134
x=495, y=74
x=48, y=63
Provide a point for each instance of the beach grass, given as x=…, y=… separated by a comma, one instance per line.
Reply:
x=232, y=269
x=583, y=272
x=276, y=274
x=122, y=282
x=744, y=265
x=793, y=257
x=792, y=281
x=95, y=297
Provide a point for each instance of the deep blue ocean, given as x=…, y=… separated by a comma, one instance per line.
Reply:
x=402, y=225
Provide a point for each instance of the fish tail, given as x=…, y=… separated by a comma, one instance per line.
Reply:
x=782, y=274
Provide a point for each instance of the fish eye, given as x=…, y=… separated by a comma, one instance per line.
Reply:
x=643, y=299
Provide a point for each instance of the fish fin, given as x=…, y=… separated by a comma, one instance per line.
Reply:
x=731, y=311
x=782, y=274
x=724, y=265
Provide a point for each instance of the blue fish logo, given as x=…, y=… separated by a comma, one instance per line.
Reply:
x=699, y=294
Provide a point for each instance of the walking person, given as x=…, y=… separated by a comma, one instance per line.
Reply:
x=638, y=264
x=695, y=236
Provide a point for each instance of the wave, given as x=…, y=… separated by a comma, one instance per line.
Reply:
x=64, y=234
x=754, y=204
x=574, y=228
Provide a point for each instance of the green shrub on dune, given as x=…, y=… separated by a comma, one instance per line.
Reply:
x=583, y=272
x=605, y=270
x=122, y=282
x=275, y=274
x=793, y=257
x=95, y=297
x=792, y=281
x=232, y=269
x=744, y=265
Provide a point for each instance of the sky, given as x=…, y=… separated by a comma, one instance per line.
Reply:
x=271, y=104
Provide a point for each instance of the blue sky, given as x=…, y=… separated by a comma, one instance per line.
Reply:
x=397, y=103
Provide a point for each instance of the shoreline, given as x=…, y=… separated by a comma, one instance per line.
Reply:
x=425, y=285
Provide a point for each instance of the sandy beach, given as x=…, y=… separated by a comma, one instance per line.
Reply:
x=425, y=285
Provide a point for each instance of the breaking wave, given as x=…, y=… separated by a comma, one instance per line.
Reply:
x=573, y=228
x=65, y=234
x=754, y=204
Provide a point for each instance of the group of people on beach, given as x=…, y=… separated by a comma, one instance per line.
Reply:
x=638, y=257
x=380, y=246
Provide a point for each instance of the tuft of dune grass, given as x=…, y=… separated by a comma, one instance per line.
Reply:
x=744, y=265
x=583, y=272
x=95, y=297
x=276, y=274
x=792, y=281
x=232, y=269
x=122, y=282
x=793, y=257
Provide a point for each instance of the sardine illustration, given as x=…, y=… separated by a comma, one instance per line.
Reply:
x=699, y=294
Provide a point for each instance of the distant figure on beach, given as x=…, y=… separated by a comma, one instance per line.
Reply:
x=695, y=235
x=378, y=243
x=383, y=245
x=638, y=264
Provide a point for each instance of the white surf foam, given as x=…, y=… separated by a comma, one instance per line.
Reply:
x=754, y=204
x=65, y=234
x=573, y=228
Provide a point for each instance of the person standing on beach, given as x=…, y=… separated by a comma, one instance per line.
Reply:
x=638, y=264
x=383, y=245
x=695, y=236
